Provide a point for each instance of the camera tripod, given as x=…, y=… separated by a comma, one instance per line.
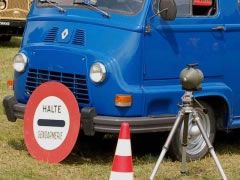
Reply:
x=187, y=110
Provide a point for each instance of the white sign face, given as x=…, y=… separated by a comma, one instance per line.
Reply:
x=51, y=123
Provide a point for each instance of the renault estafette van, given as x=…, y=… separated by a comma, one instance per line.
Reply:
x=122, y=60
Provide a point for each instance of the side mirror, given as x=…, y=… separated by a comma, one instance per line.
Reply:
x=167, y=9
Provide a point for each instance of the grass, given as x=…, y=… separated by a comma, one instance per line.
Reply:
x=93, y=158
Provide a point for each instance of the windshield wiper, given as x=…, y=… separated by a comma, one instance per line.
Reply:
x=55, y=4
x=88, y=3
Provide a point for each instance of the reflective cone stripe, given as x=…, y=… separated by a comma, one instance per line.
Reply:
x=123, y=148
x=121, y=176
x=122, y=167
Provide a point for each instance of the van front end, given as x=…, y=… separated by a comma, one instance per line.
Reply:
x=98, y=58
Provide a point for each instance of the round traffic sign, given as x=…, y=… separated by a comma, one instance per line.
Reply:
x=51, y=122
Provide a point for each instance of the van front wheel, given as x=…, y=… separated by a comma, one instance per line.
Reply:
x=197, y=147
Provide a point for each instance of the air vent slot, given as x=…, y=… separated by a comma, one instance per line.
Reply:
x=79, y=38
x=51, y=35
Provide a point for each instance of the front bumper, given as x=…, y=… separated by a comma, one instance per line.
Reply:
x=9, y=27
x=91, y=122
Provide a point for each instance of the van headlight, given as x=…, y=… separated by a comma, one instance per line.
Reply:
x=98, y=72
x=20, y=62
x=3, y=5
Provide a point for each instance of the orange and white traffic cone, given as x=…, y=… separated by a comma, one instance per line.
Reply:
x=122, y=167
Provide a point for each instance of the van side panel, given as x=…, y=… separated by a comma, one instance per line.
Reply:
x=210, y=41
x=173, y=44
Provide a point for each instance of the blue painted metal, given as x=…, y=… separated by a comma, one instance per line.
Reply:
x=145, y=65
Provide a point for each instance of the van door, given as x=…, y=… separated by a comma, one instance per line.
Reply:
x=196, y=36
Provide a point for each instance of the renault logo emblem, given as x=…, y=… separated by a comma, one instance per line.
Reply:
x=64, y=34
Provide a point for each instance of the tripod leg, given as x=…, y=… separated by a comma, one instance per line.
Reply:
x=211, y=149
x=184, y=144
x=167, y=143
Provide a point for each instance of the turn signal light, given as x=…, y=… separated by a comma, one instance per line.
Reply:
x=10, y=84
x=123, y=100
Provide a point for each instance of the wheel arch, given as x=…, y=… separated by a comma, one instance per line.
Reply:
x=222, y=113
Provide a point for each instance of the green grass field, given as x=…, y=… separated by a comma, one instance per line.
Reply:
x=93, y=158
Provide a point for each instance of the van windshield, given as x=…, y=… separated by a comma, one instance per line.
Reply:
x=129, y=7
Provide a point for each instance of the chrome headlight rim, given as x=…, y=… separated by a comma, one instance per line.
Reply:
x=20, y=61
x=98, y=72
x=3, y=5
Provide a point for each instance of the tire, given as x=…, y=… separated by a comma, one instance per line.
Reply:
x=197, y=148
x=5, y=38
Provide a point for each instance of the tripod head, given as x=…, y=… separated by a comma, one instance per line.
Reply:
x=191, y=78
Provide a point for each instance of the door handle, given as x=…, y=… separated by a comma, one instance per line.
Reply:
x=219, y=28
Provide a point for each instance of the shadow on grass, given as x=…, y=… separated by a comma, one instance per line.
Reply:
x=227, y=142
x=100, y=150
x=17, y=144
x=147, y=146
x=93, y=150
x=14, y=43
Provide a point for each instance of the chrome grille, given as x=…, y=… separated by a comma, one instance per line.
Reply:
x=75, y=82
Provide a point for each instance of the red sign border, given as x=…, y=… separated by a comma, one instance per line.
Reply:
x=61, y=91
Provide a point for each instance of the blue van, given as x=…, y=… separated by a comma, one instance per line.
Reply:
x=122, y=60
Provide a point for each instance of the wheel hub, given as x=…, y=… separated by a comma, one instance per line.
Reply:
x=194, y=131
